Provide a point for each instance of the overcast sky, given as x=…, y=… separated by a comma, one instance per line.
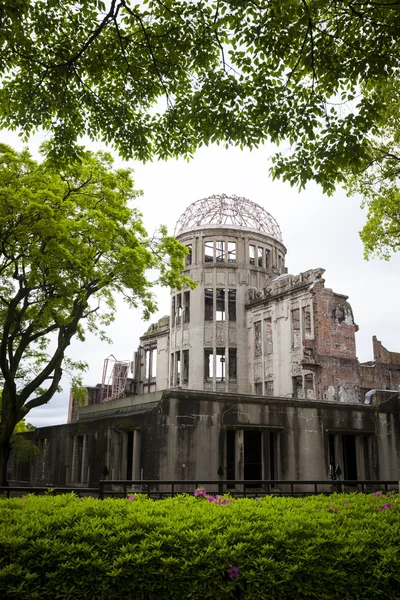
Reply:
x=317, y=231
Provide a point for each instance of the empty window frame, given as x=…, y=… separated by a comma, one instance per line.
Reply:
x=268, y=344
x=296, y=328
x=232, y=305
x=150, y=363
x=188, y=258
x=231, y=252
x=220, y=251
x=257, y=339
x=177, y=368
x=220, y=304
x=208, y=251
x=232, y=356
x=252, y=254
x=267, y=258
x=208, y=304
x=260, y=256
x=186, y=305
x=185, y=372
x=171, y=378
x=297, y=386
x=178, y=309
x=269, y=388
x=309, y=384
x=306, y=310
x=258, y=388
x=220, y=366
x=208, y=364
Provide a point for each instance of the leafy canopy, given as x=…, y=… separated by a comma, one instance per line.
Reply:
x=159, y=78
x=69, y=241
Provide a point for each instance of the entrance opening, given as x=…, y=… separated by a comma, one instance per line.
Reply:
x=252, y=455
x=349, y=456
x=129, y=455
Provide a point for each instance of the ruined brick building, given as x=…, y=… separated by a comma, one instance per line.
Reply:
x=253, y=375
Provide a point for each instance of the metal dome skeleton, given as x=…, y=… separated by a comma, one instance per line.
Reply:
x=224, y=210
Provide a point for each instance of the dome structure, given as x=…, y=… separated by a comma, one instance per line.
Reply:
x=221, y=210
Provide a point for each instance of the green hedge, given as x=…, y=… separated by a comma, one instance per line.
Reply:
x=342, y=546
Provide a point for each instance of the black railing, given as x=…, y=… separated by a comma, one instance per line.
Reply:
x=241, y=488
x=159, y=489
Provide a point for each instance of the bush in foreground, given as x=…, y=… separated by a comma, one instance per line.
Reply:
x=342, y=546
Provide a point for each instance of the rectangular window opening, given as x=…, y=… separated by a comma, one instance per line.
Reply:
x=252, y=255
x=252, y=455
x=231, y=252
x=232, y=354
x=269, y=388
x=267, y=258
x=188, y=258
x=209, y=251
x=220, y=251
x=178, y=367
x=232, y=305
x=230, y=454
x=208, y=304
x=220, y=304
x=349, y=457
x=208, y=364
x=258, y=388
x=153, y=362
x=296, y=328
x=220, y=364
x=186, y=303
x=260, y=256
x=297, y=386
x=185, y=366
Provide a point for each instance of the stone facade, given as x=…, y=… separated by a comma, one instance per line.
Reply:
x=254, y=374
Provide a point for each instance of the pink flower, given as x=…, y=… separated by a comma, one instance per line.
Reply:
x=345, y=503
x=130, y=498
x=234, y=573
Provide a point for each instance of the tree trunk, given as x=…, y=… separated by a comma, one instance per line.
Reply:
x=5, y=450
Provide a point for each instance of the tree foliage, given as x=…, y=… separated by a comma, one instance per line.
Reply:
x=69, y=241
x=160, y=78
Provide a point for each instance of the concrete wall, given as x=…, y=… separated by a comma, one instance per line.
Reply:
x=184, y=435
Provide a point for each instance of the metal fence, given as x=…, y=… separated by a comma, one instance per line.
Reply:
x=159, y=489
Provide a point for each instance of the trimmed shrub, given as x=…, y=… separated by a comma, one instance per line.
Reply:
x=341, y=546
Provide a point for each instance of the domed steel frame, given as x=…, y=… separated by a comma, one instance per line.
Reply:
x=224, y=210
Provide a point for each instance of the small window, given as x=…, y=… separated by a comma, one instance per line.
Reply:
x=232, y=305
x=220, y=251
x=296, y=328
x=208, y=364
x=267, y=258
x=257, y=339
x=309, y=385
x=147, y=363
x=232, y=363
x=209, y=251
x=297, y=386
x=188, y=258
x=186, y=302
x=153, y=370
x=208, y=304
x=185, y=374
x=220, y=305
x=178, y=367
x=178, y=313
x=231, y=252
x=260, y=256
x=252, y=255
x=269, y=388
x=258, y=388
x=220, y=364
